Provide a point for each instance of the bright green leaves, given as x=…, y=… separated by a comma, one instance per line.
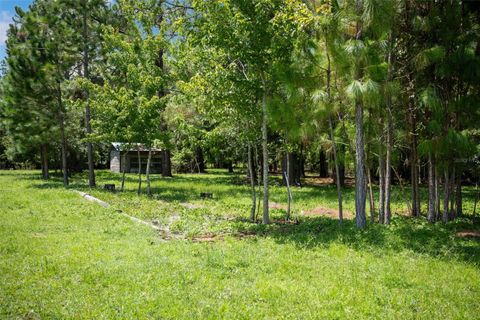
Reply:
x=128, y=105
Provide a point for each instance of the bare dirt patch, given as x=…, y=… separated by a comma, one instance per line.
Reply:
x=274, y=205
x=326, y=212
x=316, y=181
x=475, y=234
x=209, y=237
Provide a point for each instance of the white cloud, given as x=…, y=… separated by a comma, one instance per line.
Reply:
x=5, y=20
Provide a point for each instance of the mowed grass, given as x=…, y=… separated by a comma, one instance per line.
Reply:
x=64, y=257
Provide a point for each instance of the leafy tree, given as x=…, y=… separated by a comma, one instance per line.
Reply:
x=259, y=36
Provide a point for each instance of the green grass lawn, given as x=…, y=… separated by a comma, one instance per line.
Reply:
x=64, y=257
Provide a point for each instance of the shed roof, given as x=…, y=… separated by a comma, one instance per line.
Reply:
x=121, y=146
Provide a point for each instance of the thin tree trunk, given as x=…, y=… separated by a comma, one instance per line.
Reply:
x=123, y=167
x=388, y=170
x=266, y=218
x=388, y=161
x=337, y=173
x=334, y=147
x=477, y=194
x=381, y=174
x=431, y=215
x=147, y=172
x=166, y=163
x=252, y=183
x=458, y=196
x=64, y=150
x=259, y=179
x=370, y=195
x=45, y=164
x=416, y=210
x=199, y=160
x=452, y=198
x=44, y=160
x=404, y=193
x=166, y=154
x=86, y=75
x=63, y=142
x=301, y=163
x=286, y=175
x=290, y=198
x=139, y=172
x=323, y=164
x=414, y=180
x=446, y=196
x=360, y=190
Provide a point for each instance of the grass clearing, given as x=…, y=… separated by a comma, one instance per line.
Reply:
x=64, y=257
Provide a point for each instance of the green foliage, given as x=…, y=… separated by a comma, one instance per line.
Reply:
x=127, y=105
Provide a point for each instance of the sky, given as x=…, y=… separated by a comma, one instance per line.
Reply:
x=7, y=11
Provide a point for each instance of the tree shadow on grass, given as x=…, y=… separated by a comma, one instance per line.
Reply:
x=175, y=189
x=404, y=234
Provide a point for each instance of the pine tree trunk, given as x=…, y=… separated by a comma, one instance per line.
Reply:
x=446, y=196
x=301, y=164
x=337, y=172
x=338, y=180
x=452, y=198
x=388, y=160
x=381, y=174
x=414, y=180
x=44, y=160
x=286, y=176
x=139, y=190
x=123, y=176
x=458, y=196
x=64, y=149
x=370, y=195
x=166, y=163
x=360, y=190
x=288, y=180
x=123, y=168
x=323, y=164
x=266, y=217
x=45, y=164
x=292, y=166
x=414, y=175
x=388, y=171
x=431, y=215
x=259, y=179
x=341, y=165
x=252, y=183
x=199, y=159
x=147, y=172
x=63, y=142
x=86, y=75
